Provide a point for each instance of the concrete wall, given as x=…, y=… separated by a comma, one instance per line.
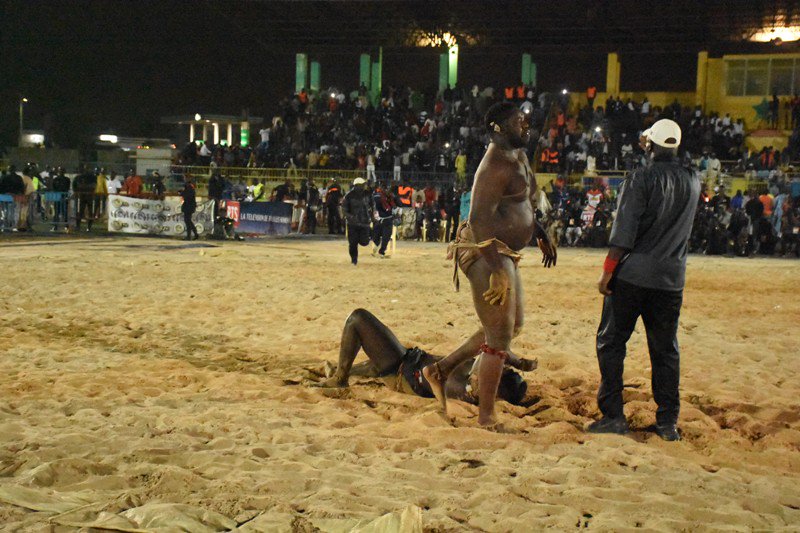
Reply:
x=715, y=98
x=153, y=159
x=69, y=159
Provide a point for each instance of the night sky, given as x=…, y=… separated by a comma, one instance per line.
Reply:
x=102, y=66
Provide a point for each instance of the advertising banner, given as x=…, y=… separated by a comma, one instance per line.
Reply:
x=262, y=218
x=156, y=217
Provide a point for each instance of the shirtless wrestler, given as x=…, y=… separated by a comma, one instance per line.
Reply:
x=387, y=356
x=501, y=223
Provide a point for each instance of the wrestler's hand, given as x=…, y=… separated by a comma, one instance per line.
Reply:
x=499, y=287
x=602, y=283
x=549, y=252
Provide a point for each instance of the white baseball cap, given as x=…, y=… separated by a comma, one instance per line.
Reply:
x=665, y=133
x=359, y=181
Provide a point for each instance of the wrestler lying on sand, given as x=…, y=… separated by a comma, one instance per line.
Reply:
x=387, y=356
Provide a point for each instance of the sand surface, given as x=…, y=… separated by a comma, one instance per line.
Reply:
x=139, y=372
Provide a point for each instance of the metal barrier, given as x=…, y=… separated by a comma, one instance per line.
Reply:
x=8, y=213
x=56, y=208
x=320, y=176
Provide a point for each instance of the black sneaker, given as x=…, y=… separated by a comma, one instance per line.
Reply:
x=668, y=432
x=609, y=425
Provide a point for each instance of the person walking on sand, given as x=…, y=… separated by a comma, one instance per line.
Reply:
x=501, y=222
x=357, y=209
x=644, y=274
x=188, y=208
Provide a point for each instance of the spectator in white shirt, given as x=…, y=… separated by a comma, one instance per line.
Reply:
x=113, y=183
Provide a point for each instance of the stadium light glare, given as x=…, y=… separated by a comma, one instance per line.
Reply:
x=109, y=138
x=598, y=129
x=198, y=117
x=563, y=91
x=777, y=34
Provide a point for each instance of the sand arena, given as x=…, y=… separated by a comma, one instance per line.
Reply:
x=148, y=383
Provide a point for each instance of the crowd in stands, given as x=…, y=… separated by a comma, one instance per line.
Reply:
x=406, y=131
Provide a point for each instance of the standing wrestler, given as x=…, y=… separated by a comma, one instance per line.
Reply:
x=647, y=261
x=501, y=223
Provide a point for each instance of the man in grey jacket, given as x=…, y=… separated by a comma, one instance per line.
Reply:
x=644, y=275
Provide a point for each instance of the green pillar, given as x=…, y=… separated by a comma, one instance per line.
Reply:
x=526, y=69
x=453, y=65
x=245, y=134
x=301, y=72
x=364, y=70
x=315, y=77
x=444, y=70
x=377, y=78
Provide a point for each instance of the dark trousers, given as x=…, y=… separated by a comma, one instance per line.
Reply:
x=660, y=311
x=85, y=210
x=451, y=227
x=334, y=220
x=382, y=233
x=311, y=219
x=356, y=236
x=190, y=227
x=60, y=212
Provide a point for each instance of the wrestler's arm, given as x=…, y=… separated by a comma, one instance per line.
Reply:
x=546, y=245
x=631, y=206
x=491, y=181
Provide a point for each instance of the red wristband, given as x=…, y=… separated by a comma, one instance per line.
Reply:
x=609, y=265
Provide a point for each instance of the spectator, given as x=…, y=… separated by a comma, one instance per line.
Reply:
x=189, y=207
x=83, y=187
x=114, y=183
x=133, y=185
x=333, y=199
x=61, y=185
x=100, y=193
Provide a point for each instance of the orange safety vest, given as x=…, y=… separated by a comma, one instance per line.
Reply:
x=591, y=92
x=553, y=157
x=545, y=155
x=521, y=92
x=303, y=97
x=405, y=194
x=509, y=93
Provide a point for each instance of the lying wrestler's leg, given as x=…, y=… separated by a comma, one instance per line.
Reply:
x=362, y=329
x=498, y=324
x=520, y=363
x=437, y=373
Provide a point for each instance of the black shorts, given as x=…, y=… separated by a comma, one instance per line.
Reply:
x=410, y=369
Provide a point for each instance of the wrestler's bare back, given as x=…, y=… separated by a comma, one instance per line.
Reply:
x=513, y=221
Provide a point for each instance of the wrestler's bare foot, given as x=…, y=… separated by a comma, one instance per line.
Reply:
x=451, y=420
x=490, y=423
x=497, y=427
x=334, y=382
x=520, y=363
x=436, y=379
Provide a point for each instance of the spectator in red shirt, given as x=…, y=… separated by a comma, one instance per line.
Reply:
x=133, y=184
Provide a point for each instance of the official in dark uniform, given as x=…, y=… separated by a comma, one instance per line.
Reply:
x=357, y=208
x=382, y=228
x=644, y=275
x=189, y=207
